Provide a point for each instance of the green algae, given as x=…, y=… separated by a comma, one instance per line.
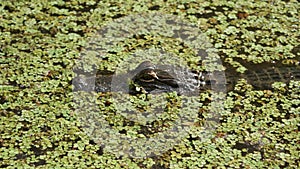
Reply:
x=40, y=42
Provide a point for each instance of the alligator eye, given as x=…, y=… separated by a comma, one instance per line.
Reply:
x=145, y=76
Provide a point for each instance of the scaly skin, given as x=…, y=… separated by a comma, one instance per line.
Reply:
x=264, y=78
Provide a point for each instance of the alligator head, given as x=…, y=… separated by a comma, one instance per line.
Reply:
x=165, y=78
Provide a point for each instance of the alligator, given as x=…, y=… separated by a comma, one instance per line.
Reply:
x=150, y=78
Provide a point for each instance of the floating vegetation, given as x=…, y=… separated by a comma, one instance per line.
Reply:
x=41, y=40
